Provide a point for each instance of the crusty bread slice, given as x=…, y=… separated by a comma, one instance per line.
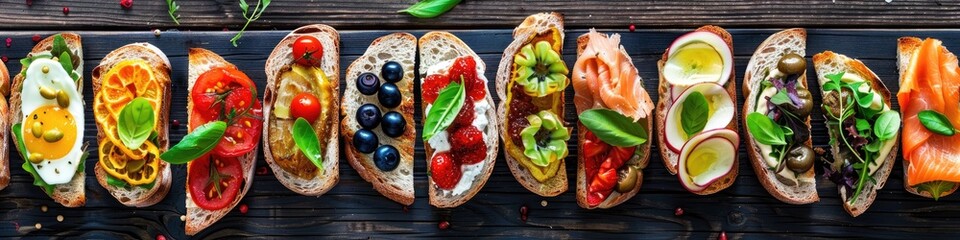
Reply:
x=197, y=219
x=4, y=127
x=435, y=48
x=766, y=57
x=72, y=193
x=137, y=196
x=280, y=61
x=906, y=48
x=670, y=158
x=615, y=198
x=398, y=183
x=530, y=27
x=829, y=63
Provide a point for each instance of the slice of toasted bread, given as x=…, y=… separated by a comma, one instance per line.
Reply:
x=436, y=48
x=615, y=198
x=280, y=61
x=398, y=183
x=827, y=63
x=906, y=48
x=70, y=194
x=530, y=27
x=4, y=127
x=197, y=219
x=670, y=158
x=137, y=196
x=766, y=57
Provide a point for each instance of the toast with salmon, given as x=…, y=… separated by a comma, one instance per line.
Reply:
x=609, y=170
x=289, y=77
x=864, y=130
x=4, y=125
x=137, y=69
x=928, y=157
x=531, y=79
x=48, y=61
x=778, y=69
x=460, y=154
x=379, y=142
x=685, y=77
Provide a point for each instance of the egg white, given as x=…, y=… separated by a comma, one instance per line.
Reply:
x=53, y=171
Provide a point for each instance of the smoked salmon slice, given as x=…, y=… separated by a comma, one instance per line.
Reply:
x=605, y=77
x=931, y=82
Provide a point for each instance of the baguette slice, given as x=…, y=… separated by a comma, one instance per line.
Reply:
x=137, y=196
x=197, y=219
x=435, y=48
x=398, y=183
x=4, y=127
x=766, y=57
x=615, y=198
x=280, y=61
x=670, y=158
x=906, y=48
x=530, y=27
x=827, y=63
x=70, y=194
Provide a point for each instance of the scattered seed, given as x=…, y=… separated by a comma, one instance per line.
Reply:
x=37, y=226
x=59, y=218
x=244, y=208
x=4, y=58
x=156, y=32
x=66, y=10
x=678, y=212
x=523, y=213
x=406, y=209
x=444, y=225
x=9, y=41
x=543, y=203
x=262, y=171
x=633, y=28
x=36, y=38
x=183, y=218
x=723, y=235
x=43, y=208
x=126, y=4
x=176, y=123
x=29, y=3
x=161, y=237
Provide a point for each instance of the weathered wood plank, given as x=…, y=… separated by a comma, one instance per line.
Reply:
x=352, y=207
x=362, y=14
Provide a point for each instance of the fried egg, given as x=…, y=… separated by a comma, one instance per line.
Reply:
x=52, y=131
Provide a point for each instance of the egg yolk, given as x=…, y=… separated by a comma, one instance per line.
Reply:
x=57, y=132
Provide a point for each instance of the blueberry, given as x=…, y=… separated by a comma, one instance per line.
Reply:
x=394, y=124
x=365, y=141
x=389, y=95
x=368, y=116
x=392, y=71
x=387, y=158
x=368, y=83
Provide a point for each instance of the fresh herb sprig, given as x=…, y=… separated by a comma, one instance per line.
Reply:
x=172, y=8
x=250, y=16
x=430, y=8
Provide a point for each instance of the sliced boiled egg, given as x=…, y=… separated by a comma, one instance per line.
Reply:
x=697, y=57
x=706, y=158
x=52, y=126
x=721, y=112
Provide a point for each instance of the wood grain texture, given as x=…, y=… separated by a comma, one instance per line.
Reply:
x=471, y=14
x=353, y=209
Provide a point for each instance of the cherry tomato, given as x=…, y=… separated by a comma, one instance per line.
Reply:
x=307, y=51
x=202, y=191
x=305, y=105
x=227, y=94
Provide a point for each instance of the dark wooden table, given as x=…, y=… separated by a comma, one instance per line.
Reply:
x=354, y=210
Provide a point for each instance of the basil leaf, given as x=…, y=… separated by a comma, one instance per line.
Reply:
x=59, y=45
x=936, y=122
x=135, y=123
x=764, y=130
x=37, y=180
x=68, y=65
x=430, y=8
x=444, y=110
x=935, y=188
x=780, y=98
x=196, y=143
x=887, y=125
x=694, y=114
x=865, y=100
x=613, y=128
x=306, y=139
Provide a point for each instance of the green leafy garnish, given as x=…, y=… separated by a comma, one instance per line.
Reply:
x=59, y=45
x=172, y=8
x=306, y=139
x=37, y=180
x=780, y=98
x=67, y=64
x=444, y=109
x=613, y=128
x=694, y=114
x=250, y=16
x=116, y=182
x=936, y=122
x=196, y=143
x=135, y=123
x=764, y=130
x=936, y=188
x=887, y=125
x=430, y=8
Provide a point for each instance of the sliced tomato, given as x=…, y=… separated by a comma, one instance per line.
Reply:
x=200, y=180
x=226, y=94
x=242, y=135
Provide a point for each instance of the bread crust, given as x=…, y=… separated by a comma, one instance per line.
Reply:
x=279, y=62
x=72, y=193
x=400, y=192
x=161, y=69
x=531, y=26
x=906, y=48
x=5, y=125
x=783, y=42
x=671, y=159
x=822, y=61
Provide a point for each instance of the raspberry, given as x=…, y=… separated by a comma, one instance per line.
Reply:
x=445, y=171
x=466, y=136
x=470, y=155
x=432, y=86
x=465, y=116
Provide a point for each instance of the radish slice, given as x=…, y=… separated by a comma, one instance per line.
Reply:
x=721, y=113
x=698, y=57
x=706, y=158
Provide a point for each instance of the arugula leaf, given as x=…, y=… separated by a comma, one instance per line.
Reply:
x=764, y=130
x=203, y=139
x=613, y=128
x=37, y=180
x=936, y=188
x=936, y=122
x=694, y=114
x=444, y=109
x=430, y=8
x=887, y=125
x=135, y=123
x=306, y=139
